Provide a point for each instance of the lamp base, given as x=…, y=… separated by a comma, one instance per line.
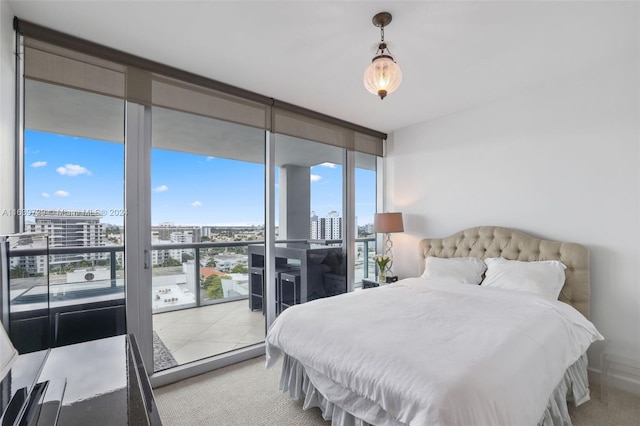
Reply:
x=388, y=251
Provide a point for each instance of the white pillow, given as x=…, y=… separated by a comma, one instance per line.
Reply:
x=466, y=270
x=544, y=278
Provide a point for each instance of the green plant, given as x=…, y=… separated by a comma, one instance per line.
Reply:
x=382, y=261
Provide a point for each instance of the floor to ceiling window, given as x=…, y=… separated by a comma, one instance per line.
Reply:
x=220, y=208
x=73, y=162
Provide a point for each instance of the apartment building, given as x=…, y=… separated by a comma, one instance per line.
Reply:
x=73, y=229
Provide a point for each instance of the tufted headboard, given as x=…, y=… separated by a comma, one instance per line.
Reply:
x=493, y=241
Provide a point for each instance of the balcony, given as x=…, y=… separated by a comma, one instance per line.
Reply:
x=192, y=334
x=198, y=310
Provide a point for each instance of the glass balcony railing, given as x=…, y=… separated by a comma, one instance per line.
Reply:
x=184, y=275
x=68, y=302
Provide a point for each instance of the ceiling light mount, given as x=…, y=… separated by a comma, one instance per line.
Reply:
x=382, y=19
x=383, y=76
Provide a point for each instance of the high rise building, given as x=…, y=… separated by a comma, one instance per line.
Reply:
x=165, y=230
x=313, y=232
x=326, y=228
x=71, y=228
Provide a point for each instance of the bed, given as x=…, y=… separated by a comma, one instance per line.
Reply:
x=437, y=351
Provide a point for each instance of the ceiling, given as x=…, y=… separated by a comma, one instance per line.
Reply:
x=454, y=54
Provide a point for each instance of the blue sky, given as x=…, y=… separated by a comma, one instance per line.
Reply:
x=64, y=172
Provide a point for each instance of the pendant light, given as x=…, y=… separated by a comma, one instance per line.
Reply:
x=383, y=76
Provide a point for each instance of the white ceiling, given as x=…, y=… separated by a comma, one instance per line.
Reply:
x=454, y=54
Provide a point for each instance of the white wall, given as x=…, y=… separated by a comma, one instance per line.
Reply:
x=7, y=116
x=560, y=161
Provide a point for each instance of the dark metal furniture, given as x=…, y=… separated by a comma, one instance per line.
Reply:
x=367, y=283
x=289, y=286
x=320, y=272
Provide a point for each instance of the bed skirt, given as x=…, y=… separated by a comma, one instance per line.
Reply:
x=574, y=387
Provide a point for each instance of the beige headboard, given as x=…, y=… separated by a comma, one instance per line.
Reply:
x=493, y=241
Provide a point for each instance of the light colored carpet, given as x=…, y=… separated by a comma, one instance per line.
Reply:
x=623, y=409
x=247, y=394
x=241, y=394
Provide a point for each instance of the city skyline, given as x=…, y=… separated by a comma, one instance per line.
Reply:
x=67, y=172
x=63, y=213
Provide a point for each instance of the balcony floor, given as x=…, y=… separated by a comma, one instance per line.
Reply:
x=196, y=333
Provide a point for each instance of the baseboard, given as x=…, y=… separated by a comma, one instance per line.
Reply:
x=617, y=380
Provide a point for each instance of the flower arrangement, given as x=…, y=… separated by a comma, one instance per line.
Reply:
x=382, y=260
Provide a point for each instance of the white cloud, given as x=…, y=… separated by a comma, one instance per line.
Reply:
x=196, y=204
x=61, y=194
x=161, y=188
x=329, y=165
x=39, y=164
x=45, y=195
x=73, y=170
x=315, y=178
x=210, y=158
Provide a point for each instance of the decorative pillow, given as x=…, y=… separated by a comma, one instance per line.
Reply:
x=544, y=278
x=466, y=270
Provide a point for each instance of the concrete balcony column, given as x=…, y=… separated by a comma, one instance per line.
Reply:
x=294, y=203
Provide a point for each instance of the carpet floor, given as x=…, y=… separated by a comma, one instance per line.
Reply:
x=242, y=394
x=247, y=394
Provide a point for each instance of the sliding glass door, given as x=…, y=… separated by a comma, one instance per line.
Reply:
x=207, y=209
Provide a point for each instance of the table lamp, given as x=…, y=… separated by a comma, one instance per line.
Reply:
x=388, y=223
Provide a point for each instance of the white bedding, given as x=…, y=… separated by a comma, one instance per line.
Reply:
x=421, y=352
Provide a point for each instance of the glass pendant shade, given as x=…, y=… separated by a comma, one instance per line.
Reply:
x=383, y=76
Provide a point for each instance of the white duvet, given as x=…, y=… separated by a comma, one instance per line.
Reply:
x=420, y=352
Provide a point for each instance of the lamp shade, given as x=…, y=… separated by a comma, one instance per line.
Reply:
x=8, y=353
x=383, y=76
x=388, y=223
